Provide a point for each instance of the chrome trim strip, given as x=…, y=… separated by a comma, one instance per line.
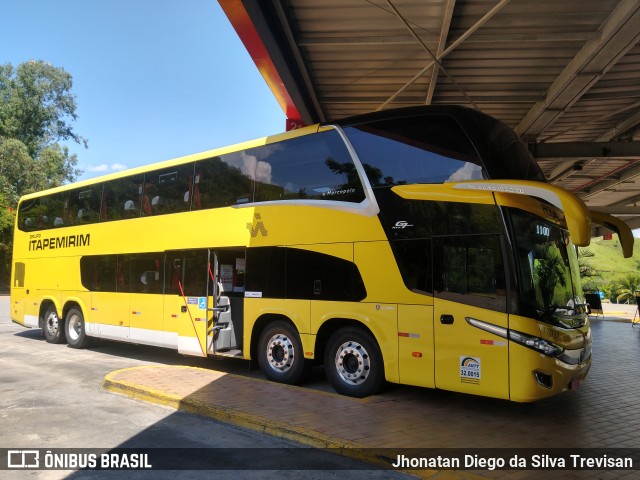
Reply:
x=487, y=327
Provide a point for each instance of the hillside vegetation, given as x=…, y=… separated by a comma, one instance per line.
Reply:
x=610, y=266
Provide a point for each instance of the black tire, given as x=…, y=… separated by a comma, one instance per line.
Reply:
x=52, y=326
x=74, y=329
x=353, y=363
x=280, y=353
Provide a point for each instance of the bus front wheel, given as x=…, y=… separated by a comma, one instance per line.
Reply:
x=353, y=363
x=280, y=353
x=74, y=329
x=52, y=327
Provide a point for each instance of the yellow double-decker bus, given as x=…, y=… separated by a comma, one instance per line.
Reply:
x=418, y=246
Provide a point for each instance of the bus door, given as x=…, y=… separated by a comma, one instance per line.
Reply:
x=185, y=301
x=226, y=301
x=470, y=299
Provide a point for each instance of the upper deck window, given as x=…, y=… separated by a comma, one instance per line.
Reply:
x=84, y=205
x=123, y=197
x=43, y=213
x=168, y=190
x=415, y=149
x=311, y=167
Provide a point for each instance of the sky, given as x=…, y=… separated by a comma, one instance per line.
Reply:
x=153, y=79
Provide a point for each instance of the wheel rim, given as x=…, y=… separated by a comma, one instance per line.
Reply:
x=74, y=328
x=353, y=363
x=52, y=324
x=280, y=353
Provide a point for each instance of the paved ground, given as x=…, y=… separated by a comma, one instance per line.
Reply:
x=604, y=413
x=51, y=398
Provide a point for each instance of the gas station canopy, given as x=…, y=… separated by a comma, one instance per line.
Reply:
x=565, y=74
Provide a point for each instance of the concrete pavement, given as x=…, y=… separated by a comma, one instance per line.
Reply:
x=602, y=414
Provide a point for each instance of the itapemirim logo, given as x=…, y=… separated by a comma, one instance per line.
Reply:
x=258, y=227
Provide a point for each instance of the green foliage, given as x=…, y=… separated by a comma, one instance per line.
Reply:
x=549, y=272
x=36, y=111
x=37, y=105
x=617, y=276
x=587, y=270
x=629, y=288
x=608, y=261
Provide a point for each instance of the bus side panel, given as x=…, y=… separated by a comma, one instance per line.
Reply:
x=109, y=317
x=380, y=318
x=384, y=285
x=380, y=273
x=17, y=308
x=415, y=345
x=146, y=324
x=468, y=359
x=298, y=311
x=175, y=316
x=51, y=275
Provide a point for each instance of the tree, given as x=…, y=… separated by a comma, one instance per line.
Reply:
x=629, y=288
x=587, y=270
x=549, y=272
x=37, y=105
x=611, y=290
x=36, y=112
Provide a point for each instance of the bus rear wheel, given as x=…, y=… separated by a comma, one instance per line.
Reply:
x=280, y=353
x=353, y=363
x=74, y=329
x=52, y=327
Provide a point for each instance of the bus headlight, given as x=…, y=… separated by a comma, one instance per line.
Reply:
x=535, y=343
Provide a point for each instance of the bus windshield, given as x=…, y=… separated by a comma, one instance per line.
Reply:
x=548, y=270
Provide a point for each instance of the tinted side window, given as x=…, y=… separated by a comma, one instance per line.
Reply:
x=168, y=190
x=55, y=211
x=315, y=167
x=122, y=198
x=28, y=214
x=279, y=272
x=266, y=271
x=45, y=212
x=470, y=270
x=219, y=184
x=99, y=273
x=414, y=261
x=312, y=275
x=84, y=204
x=146, y=272
x=187, y=270
x=420, y=149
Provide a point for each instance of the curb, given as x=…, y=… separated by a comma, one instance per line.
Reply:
x=274, y=428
